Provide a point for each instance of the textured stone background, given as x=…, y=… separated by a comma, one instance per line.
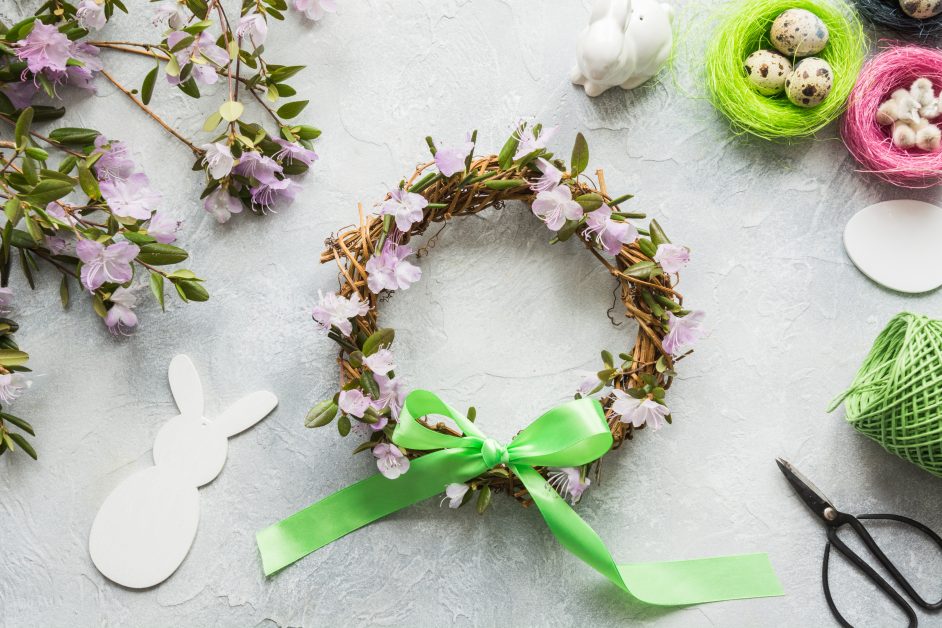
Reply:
x=500, y=319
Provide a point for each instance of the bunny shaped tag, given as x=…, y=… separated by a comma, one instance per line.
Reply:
x=626, y=43
x=146, y=526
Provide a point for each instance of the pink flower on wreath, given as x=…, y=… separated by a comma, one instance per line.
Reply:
x=405, y=206
x=672, y=257
x=549, y=179
x=131, y=197
x=353, y=402
x=390, y=271
x=255, y=165
x=6, y=300
x=529, y=142
x=454, y=494
x=683, y=332
x=610, y=234
x=121, y=319
x=391, y=395
x=44, y=48
x=390, y=461
x=221, y=205
x=568, y=482
x=267, y=194
x=315, y=9
x=163, y=228
x=218, y=159
x=555, y=207
x=90, y=15
x=334, y=310
x=254, y=27
x=115, y=161
x=638, y=412
x=381, y=362
x=450, y=159
x=101, y=264
x=290, y=152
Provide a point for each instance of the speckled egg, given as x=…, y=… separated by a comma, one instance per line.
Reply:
x=798, y=33
x=767, y=71
x=810, y=82
x=921, y=9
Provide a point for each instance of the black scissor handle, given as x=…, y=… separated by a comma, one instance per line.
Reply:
x=862, y=565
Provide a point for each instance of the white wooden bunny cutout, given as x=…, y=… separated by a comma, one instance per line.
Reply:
x=626, y=43
x=146, y=526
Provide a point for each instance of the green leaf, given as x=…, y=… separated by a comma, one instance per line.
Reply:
x=37, y=153
x=147, y=87
x=590, y=202
x=21, y=130
x=643, y=270
x=138, y=238
x=306, y=132
x=157, y=287
x=10, y=357
x=580, y=155
x=379, y=339
x=20, y=423
x=158, y=254
x=212, y=121
x=190, y=290
x=607, y=359
x=291, y=109
x=647, y=247
x=606, y=375
x=47, y=191
x=321, y=414
x=74, y=135
x=189, y=88
x=484, y=499
x=343, y=425
x=172, y=68
x=277, y=74
x=369, y=384
x=25, y=446
x=503, y=184
x=657, y=234
x=231, y=110
x=64, y=291
x=88, y=182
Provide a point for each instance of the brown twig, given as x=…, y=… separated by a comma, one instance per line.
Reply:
x=152, y=114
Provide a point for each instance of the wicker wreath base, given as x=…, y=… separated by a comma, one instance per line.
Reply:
x=648, y=293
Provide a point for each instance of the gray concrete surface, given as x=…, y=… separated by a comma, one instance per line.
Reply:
x=501, y=320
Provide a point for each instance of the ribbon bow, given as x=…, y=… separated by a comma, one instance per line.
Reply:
x=569, y=435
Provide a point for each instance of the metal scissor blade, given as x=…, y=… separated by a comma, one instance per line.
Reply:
x=811, y=494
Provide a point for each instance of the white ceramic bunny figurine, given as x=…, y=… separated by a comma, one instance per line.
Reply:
x=626, y=43
x=146, y=526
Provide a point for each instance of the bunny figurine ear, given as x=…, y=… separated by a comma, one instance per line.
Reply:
x=245, y=413
x=185, y=386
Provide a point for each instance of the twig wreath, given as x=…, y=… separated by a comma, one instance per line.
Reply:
x=372, y=262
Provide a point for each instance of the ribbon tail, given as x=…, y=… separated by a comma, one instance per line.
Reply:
x=676, y=583
x=360, y=504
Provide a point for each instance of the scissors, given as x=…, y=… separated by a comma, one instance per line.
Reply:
x=835, y=520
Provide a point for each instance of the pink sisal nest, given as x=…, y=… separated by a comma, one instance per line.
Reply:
x=897, y=66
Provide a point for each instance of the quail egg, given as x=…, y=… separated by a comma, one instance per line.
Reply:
x=767, y=71
x=809, y=83
x=799, y=33
x=921, y=9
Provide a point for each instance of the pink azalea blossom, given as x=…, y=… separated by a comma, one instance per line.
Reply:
x=163, y=228
x=672, y=257
x=255, y=165
x=44, y=48
x=203, y=52
x=450, y=159
x=335, y=310
x=56, y=244
x=568, y=482
x=529, y=142
x=381, y=362
x=390, y=271
x=549, y=179
x=121, y=319
x=391, y=395
x=454, y=494
x=12, y=386
x=101, y=264
x=556, y=206
x=590, y=381
x=290, y=152
x=254, y=27
x=683, y=332
x=353, y=402
x=221, y=205
x=267, y=194
x=315, y=9
x=390, y=461
x=115, y=161
x=610, y=234
x=90, y=15
x=21, y=94
x=131, y=197
x=58, y=212
x=638, y=412
x=218, y=158
x=171, y=13
x=405, y=206
x=6, y=300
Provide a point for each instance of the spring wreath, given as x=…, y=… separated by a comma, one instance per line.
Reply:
x=423, y=447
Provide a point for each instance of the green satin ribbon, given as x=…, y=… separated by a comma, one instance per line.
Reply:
x=570, y=435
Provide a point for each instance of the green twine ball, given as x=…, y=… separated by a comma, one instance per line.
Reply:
x=896, y=397
x=745, y=29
